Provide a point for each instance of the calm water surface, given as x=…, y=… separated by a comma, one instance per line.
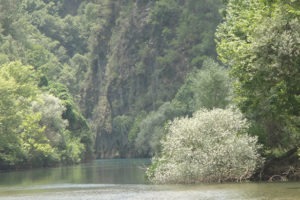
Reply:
x=124, y=179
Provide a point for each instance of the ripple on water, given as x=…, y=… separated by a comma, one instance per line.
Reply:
x=164, y=192
x=125, y=179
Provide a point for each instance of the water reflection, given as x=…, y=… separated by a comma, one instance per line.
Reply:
x=124, y=179
x=116, y=171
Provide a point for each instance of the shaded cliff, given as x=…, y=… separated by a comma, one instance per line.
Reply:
x=140, y=53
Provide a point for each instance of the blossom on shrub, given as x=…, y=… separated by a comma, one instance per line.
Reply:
x=211, y=146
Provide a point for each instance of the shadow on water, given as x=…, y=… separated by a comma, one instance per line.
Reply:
x=124, y=179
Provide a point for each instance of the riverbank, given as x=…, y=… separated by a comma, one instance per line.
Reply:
x=282, y=168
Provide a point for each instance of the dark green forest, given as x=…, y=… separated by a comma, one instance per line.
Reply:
x=107, y=79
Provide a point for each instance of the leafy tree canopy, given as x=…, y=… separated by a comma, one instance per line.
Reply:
x=259, y=41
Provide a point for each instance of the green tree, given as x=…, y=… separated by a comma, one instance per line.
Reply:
x=151, y=131
x=208, y=87
x=211, y=86
x=259, y=41
x=18, y=89
x=10, y=13
x=77, y=126
x=42, y=34
x=35, y=145
x=34, y=128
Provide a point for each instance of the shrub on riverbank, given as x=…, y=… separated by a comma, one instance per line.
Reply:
x=211, y=146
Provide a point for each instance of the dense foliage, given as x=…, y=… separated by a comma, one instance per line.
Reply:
x=33, y=130
x=40, y=124
x=259, y=40
x=211, y=146
x=106, y=77
x=120, y=62
x=208, y=87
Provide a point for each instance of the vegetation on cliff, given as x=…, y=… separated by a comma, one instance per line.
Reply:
x=258, y=41
x=106, y=77
x=141, y=54
x=40, y=122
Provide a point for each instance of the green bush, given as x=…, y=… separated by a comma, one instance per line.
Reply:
x=211, y=146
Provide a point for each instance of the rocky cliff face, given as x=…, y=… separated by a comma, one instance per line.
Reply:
x=140, y=54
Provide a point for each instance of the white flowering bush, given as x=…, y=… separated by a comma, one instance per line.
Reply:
x=211, y=146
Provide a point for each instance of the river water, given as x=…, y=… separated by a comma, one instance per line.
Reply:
x=124, y=179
